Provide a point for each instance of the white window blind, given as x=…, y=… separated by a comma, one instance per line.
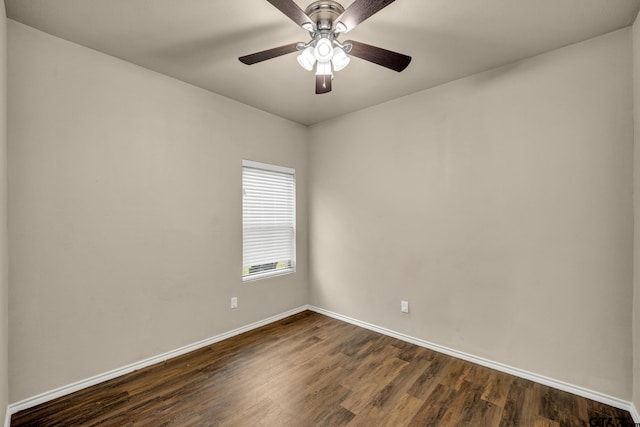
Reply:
x=268, y=220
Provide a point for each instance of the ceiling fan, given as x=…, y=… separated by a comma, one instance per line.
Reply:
x=325, y=20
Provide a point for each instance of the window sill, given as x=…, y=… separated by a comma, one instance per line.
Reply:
x=267, y=275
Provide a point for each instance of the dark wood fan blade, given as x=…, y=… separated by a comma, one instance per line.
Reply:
x=268, y=54
x=361, y=10
x=387, y=58
x=323, y=83
x=292, y=10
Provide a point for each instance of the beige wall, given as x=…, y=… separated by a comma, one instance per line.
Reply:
x=636, y=198
x=499, y=206
x=4, y=283
x=125, y=212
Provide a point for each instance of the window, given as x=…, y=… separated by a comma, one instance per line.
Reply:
x=268, y=220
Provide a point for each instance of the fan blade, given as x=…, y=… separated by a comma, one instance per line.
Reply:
x=323, y=83
x=360, y=10
x=387, y=58
x=292, y=10
x=254, y=58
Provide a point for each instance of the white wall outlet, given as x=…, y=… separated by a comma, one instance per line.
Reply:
x=234, y=302
x=404, y=306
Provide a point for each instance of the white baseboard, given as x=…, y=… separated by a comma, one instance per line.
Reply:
x=7, y=418
x=97, y=379
x=634, y=414
x=561, y=385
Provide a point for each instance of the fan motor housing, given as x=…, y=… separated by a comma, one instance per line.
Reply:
x=323, y=13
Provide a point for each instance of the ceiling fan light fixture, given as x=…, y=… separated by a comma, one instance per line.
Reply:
x=340, y=59
x=325, y=20
x=324, y=50
x=306, y=59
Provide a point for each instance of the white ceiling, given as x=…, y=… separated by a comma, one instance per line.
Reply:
x=199, y=41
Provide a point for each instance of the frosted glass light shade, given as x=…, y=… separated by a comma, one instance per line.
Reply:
x=340, y=59
x=323, y=68
x=324, y=50
x=306, y=59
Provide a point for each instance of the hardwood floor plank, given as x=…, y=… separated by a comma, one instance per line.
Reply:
x=512, y=412
x=497, y=388
x=312, y=370
x=399, y=386
x=544, y=422
x=485, y=414
x=428, y=380
x=398, y=413
x=370, y=381
x=434, y=408
x=455, y=374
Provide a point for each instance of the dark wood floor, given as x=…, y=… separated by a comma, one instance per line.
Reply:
x=311, y=370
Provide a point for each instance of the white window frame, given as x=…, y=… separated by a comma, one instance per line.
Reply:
x=275, y=272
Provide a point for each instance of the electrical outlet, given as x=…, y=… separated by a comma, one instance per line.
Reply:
x=404, y=306
x=234, y=302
